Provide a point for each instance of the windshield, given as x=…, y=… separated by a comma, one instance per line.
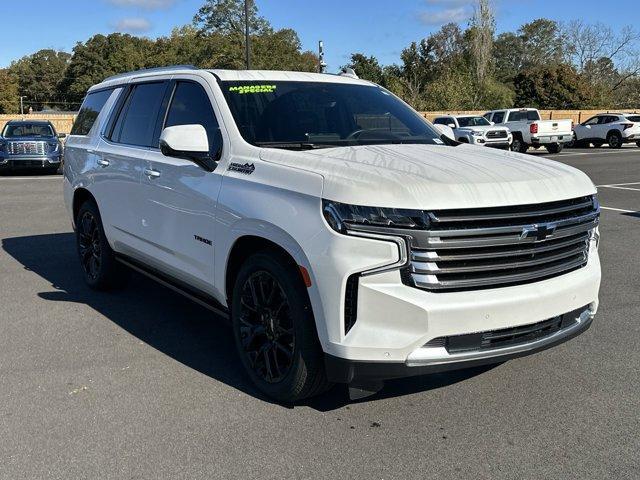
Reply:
x=18, y=130
x=473, y=121
x=316, y=114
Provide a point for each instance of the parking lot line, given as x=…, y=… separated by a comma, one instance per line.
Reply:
x=35, y=177
x=618, y=184
x=620, y=188
x=617, y=209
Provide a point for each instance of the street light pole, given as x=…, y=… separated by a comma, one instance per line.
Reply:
x=247, y=48
x=22, y=105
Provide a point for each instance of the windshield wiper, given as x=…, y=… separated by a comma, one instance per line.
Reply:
x=294, y=145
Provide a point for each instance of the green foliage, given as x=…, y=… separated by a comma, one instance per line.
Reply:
x=554, y=86
x=40, y=77
x=9, y=93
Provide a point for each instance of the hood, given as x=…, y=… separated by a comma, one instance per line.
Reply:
x=484, y=128
x=434, y=176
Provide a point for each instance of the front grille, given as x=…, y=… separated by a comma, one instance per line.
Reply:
x=497, y=134
x=506, y=337
x=495, y=247
x=26, y=148
x=26, y=163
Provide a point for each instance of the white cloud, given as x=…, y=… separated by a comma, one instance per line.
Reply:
x=146, y=4
x=133, y=25
x=440, y=17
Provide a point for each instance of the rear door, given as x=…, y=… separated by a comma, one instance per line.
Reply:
x=123, y=151
x=180, y=196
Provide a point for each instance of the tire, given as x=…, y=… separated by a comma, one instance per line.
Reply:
x=274, y=329
x=614, y=139
x=555, y=147
x=518, y=145
x=100, y=268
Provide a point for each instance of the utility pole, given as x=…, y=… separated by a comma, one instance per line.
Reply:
x=247, y=47
x=22, y=105
x=321, y=63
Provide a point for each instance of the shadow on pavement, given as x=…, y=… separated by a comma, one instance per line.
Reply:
x=174, y=325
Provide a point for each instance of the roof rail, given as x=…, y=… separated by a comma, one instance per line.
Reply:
x=151, y=70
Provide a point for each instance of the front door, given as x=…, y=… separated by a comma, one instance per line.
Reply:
x=181, y=196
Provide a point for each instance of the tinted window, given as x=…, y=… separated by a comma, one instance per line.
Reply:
x=440, y=121
x=323, y=114
x=15, y=130
x=91, y=108
x=633, y=118
x=592, y=121
x=137, y=121
x=473, y=122
x=524, y=116
x=191, y=106
x=498, y=117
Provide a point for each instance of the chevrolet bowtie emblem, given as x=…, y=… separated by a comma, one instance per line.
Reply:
x=538, y=231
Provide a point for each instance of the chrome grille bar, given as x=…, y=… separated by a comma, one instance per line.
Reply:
x=493, y=247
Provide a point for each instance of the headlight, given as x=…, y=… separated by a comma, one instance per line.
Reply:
x=52, y=146
x=342, y=218
x=3, y=146
x=476, y=133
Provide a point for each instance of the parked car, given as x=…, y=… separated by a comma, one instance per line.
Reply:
x=28, y=144
x=530, y=131
x=476, y=130
x=614, y=129
x=346, y=239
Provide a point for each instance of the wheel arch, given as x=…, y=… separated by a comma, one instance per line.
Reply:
x=80, y=196
x=276, y=240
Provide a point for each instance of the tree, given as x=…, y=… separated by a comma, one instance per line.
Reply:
x=482, y=28
x=227, y=17
x=102, y=56
x=9, y=94
x=40, y=77
x=367, y=68
x=552, y=87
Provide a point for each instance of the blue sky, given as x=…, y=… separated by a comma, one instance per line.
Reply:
x=376, y=27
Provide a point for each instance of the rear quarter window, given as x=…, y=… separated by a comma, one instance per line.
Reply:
x=89, y=111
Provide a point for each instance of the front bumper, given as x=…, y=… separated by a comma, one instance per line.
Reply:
x=435, y=359
x=26, y=163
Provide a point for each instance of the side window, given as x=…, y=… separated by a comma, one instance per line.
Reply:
x=137, y=120
x=190, y=105
x=89, y=111
x=440, y=121
x=592, y=121
x=498, y=117
x=487, y=116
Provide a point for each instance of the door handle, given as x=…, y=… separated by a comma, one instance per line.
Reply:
x=103, y=163
x=151, y=173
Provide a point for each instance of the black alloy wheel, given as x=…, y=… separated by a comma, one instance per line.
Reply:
x=266, y=332
x=274, y=328
x=89, y=245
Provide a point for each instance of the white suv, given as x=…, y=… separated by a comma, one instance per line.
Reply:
x=614, y=129
x=346, y=240
x=476, y=130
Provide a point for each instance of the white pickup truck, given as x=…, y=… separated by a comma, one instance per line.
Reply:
x=529, y=130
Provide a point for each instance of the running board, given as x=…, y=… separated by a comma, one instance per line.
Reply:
x=196, y=296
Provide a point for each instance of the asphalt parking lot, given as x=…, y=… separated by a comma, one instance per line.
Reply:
x=143, y=383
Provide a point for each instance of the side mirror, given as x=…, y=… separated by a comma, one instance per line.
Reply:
x=492, y=123
x=191, y=142
x=62, y=135
x=451, y=125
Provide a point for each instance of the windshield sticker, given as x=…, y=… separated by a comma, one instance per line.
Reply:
x=243, y=89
